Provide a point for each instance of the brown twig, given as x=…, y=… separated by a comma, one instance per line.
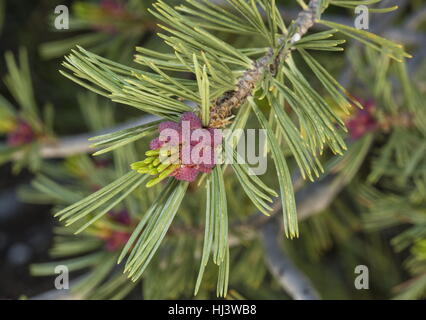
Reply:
x=221, y=110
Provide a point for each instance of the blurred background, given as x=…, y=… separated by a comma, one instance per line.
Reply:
x=333, y=241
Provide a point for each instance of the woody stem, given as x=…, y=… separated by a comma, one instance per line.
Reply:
x=221, y=110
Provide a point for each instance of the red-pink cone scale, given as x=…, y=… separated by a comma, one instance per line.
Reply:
x=191, y=147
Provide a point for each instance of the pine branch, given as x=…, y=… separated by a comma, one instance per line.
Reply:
x=161, y=94
x=378, y=27
x=310, y=200
x=293, y=280
x=78, y=144
x=221, y=110
x=295, y=283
